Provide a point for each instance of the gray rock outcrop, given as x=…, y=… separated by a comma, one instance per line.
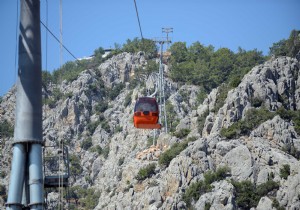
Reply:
x=117, y=151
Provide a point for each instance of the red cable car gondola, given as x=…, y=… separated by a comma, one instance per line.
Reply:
x=146, y=113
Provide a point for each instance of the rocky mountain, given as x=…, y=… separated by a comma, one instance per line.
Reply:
x=213, y=160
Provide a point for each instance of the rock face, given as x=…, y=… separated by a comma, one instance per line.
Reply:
x=276, y=83
x=117, y=151
x=121, y=67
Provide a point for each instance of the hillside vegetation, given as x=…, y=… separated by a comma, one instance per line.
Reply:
x=233, y=121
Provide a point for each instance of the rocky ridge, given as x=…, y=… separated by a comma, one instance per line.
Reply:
x=255, y=157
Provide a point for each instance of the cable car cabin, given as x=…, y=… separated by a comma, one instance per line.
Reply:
x=146, y=113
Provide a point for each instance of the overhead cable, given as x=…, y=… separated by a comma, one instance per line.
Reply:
x=59, y=41
x=137, y=14
x=46, y=36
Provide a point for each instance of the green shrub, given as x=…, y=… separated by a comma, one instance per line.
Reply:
x=248, y=195
x=150, y=141
x=92, y=126
x=146, y=45
x=264, y=188
x=97, y=149
x=294, y=152
x=75, y=166
x=80, y=107
x=287, y=47
x=105, y=152
x=89, y=198
x=88, y=179
x=194, y=191
x=290, y=115
x=146, y=172
x=50, y=102
x=115, y=91
x=2, y=190
x=92, y=89
x=166, y=157
x=46, y=78
x=6, y=129
x=96, y=88
x=276, y=205
x=98, y=55
x=284, y=99
x=171, y=116
x=134, y=82
x=101, y=151
x=2, y=173
x=207, y=206
x=101, y=107
x=185, y=95
x=221, y=96
x=74, y=193
x=203, y=66
x=291, y=150
x=68, y=95
x=285, y=171
x=191, y=139
x=235, y=81
x=201, y=121
x=54, y=97
x=57, y=94
x=232, y=131
x=153, y=183
x=118, y=129
x=69, y=71
x=101, y=118
x=182, y=133
x=284, y=114
x=201, y=97
x=245, y=194
x=151, y=66
x=253, y=118
x=105, y=126
x=86, y=144
x=220, y=174
x=127, y=100
x=256, y=102
x=297, y=126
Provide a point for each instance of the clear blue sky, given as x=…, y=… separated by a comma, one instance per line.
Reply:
x=90, y=24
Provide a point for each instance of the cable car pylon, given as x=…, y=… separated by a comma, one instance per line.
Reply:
x=161, y=85
x=146, y=118
x=26, y=179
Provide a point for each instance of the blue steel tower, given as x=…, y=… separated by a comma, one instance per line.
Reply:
x=26, y=179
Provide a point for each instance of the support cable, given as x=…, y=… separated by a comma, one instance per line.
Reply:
x=161, y=86
x=59, y=41
x=137, y=14
x=61, y=32
x=47, y=35
x=60, y=184
x=46, y=69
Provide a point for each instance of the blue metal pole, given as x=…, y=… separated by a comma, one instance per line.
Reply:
x=36, y=184
x=14, y=200
x=28, y=120
x=25, y=198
